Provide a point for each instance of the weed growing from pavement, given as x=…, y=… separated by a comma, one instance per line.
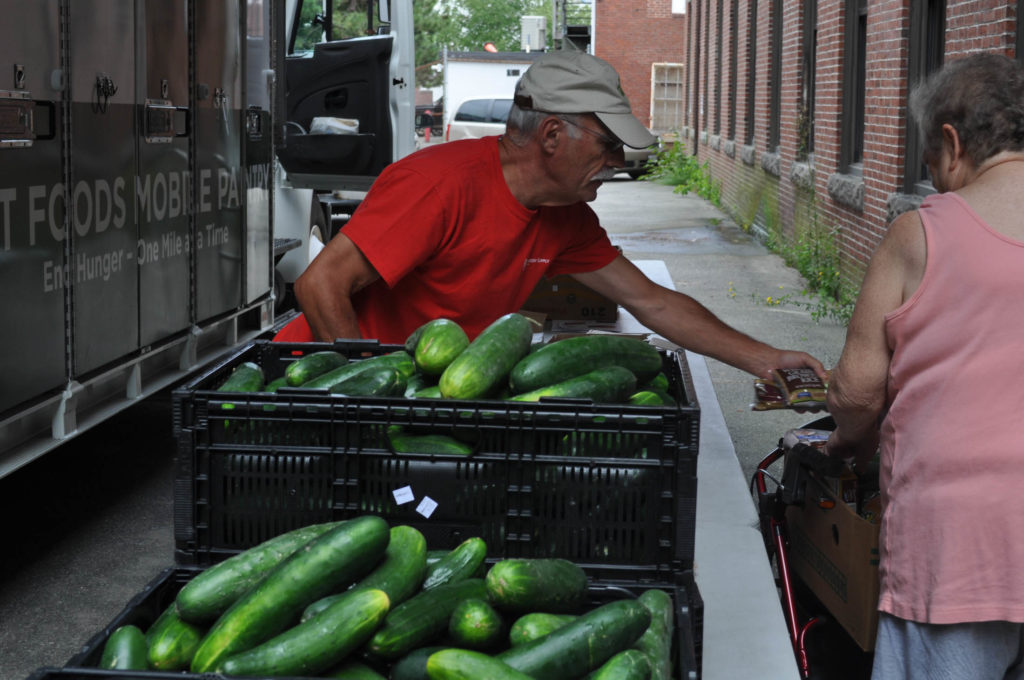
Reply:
x=678, y=169
x=814, y=252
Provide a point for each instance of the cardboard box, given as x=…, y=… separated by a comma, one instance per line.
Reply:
x=564, y=298
x=835, y=552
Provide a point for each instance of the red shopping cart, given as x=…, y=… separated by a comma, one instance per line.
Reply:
x=833, y=654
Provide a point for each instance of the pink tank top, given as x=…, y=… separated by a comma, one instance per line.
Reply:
x=952, y=443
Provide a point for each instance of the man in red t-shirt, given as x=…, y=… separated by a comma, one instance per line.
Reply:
x=465, y=230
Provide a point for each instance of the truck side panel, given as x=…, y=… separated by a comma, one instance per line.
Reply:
x=219, y=181
x=32, y=274
x=101, y=210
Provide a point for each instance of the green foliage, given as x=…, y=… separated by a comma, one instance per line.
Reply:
x=472, y=23
x=674, y=167
x=814, y=252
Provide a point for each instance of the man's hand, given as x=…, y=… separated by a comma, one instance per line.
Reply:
x=793, y=359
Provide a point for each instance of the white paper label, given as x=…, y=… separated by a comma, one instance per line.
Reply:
x=426, y=506
x=403, y=495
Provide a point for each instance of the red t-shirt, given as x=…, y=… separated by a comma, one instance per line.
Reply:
x=450, y=240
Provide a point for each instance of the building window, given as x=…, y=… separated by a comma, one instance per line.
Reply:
x=705, y=100
x=667, y=97
x=926, y=49
x=775, y=78
x=1020, y=31
x=734, y=20
x=748, y=118
x=854, y=80
x=718, y=71
x=805, y=123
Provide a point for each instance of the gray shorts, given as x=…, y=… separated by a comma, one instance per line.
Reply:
x=989, y=650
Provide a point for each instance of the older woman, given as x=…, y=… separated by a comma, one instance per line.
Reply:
x=932, y=374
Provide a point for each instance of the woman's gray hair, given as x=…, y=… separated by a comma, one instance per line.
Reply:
x=982, y=97
x=522, y=124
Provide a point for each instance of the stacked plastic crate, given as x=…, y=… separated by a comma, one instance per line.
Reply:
x=610, y=487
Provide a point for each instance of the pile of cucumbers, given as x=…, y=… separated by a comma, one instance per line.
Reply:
x=361, y=600
x=439, y=361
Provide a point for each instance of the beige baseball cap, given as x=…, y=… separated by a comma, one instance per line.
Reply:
x=568, y=81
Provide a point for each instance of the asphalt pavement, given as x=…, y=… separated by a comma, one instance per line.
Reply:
x=89, y=525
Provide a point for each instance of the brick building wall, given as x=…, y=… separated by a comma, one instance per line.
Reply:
x=780, y=189
x=633, y=34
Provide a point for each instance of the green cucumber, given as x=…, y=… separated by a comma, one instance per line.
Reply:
x=459, y=564
x=437, y=345
x=413, y=666
x=428, y=443
x=379, y=381
x=213, y=590
x=475, y=625
x=564, y=359
x=312, y=365
x=275, y=384
x=353, y=670
x=399, y=575
x=416, y=382
x=432, y=392
x=529, y=627
x=607, y=385
x=245, y=377
x=628, y=664
x=338, y=557
x=399, y=359
x=422, y=618
x=313, y=646
x=435, y=555
x=658, y=382
x=538, y=584
x=125, y=648
x=651, y=396
x=656, y=642
x=171, y=642
x=488, y=358
x=465, y=664
x=582, y=645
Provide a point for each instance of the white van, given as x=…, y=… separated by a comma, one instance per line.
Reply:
x=477, y=118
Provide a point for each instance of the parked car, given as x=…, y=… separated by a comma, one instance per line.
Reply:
x=482, y=117
x=637, y=159
x=477, y=118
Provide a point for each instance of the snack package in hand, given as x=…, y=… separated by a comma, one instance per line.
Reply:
x=767, y=396
x=801, y=387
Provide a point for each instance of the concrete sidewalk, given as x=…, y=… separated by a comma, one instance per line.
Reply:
x=728, y=271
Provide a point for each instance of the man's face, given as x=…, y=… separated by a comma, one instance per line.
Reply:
x=591, y=159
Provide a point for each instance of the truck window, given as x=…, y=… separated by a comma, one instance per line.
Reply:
x=349, y=19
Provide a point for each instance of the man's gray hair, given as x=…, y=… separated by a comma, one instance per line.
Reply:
x=522, y=124
x=982, y=97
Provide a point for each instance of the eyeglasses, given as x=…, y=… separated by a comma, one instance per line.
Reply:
x=611, y=145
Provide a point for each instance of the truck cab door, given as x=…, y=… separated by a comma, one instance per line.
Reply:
x=348, y=98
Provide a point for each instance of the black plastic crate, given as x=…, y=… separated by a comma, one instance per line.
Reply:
x=607, y=486
x=145, y=607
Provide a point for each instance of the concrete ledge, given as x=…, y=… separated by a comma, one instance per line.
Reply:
x=745, y=633
x=802, y=175
x=847, y=189
x=771, y=163
x=897, y=204
x=729, y=148
x=748, y=154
